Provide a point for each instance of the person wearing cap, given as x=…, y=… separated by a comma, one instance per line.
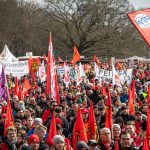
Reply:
x=116, y=132
x=59, y=143
x=81, y=145
x=92, y=144
x=34, y=142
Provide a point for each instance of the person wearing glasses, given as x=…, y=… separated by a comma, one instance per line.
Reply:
x=11, y=139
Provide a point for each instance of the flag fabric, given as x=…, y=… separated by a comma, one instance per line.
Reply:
x=96, y=60
x=9, y=121
x=131, y=102
x=108, y=122
x=3, y=85
x=148, y=127
x=66, y=74
x=59, y=59
x=141, y=21
x=51, y=84
x=79, y=132
x=92, y=126
x=33, y=64
x=42, y=72
x=148, y=97
x=145, y=145
x=20, y=94
x=103, y=89
x=26, y=85
x=76, y=55
x=115, y=76
x=52, y=131
x=57, y=91
x=16, y=88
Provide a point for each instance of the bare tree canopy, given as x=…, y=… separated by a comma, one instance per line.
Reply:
x=94, y=26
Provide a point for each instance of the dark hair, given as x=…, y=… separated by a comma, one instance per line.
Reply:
x=124, y=133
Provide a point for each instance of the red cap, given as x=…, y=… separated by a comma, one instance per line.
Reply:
x=58, y=121
x=33, y=138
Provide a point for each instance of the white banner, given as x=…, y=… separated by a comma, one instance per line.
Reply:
x=106, y=75
x=18, y=69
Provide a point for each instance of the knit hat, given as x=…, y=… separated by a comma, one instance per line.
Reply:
x=38, y=120
x=80, y=145
x=58, y=138
x=33, y=138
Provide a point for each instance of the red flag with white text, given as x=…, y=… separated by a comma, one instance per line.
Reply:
x=141, y=20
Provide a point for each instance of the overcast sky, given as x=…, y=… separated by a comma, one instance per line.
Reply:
x=140, y=3
x=136, y=3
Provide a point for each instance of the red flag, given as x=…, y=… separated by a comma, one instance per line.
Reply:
x=48, y=80
x=96, y=60
x=52, y=131
x=92, y=126
x=145, y=144
x=148, y=127
x=131, y=102
x=103, y=89
x=20, y=94
x=59, y=59
x=108, y=123
x=57, y=90
x=79, y=133
x=141, y=21
x=16, y=89
x=76, y=55
x=26, y=85
x=33, y=64
x=116, y=145
x=9, y=121
x=148, y=97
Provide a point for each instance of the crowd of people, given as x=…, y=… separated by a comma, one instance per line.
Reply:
x=33, y=114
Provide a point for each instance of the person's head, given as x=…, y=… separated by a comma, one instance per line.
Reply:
x=32, y=101
x=20, y=113
x=21, y=135
x=92, y=144
x=59, y=142
x=116, y=131
x=119, y=121
x=53, y=104
x=81, y=145
x=124, y=110
x=18, y=124
x=105, y=135
x=101, y=110
x=11, y=133
x=85, y=113
x=29, y=121
x=130, y=128
x=34, y=142
x=138, y=116
x=43, y=98
x=27, y=112
x=37, y=121
x=125, y=140
x=75, y=107
x=58, y=111
x=40, y=131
